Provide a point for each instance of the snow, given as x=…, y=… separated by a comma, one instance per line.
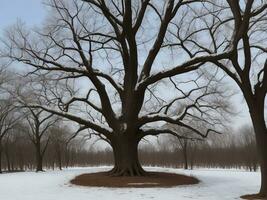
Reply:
x=216, y=184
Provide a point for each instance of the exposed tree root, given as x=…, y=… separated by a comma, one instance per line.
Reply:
x=135, y=170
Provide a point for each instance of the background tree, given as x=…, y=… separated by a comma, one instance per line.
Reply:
x=59, y=141
x=39, y=123
x=6, y=145
x=8, y=119
x=228, y=151
x=184, y=145
x=250, y=27
x=15, y=145
x=239, y=27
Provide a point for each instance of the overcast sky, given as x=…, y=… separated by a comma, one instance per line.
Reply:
x=32, y=12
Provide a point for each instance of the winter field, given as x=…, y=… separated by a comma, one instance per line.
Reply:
x=216, y=184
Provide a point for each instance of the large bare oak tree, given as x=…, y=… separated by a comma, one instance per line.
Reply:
x=120, y=79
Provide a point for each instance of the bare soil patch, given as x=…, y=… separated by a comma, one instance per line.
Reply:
x=152, y=179
x=254, y=196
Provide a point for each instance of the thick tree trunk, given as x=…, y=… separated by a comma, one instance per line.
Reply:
x=126, y=161
x=261, y=139
x=263, y=150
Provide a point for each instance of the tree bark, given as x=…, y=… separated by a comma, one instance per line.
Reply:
x=126, y=161
x=257, y=116
x=262, y=141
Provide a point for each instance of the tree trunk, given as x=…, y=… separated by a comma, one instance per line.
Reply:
x=126, y=161
x=0, y=156
x=8, y=160
x=185, y=154
x=39, y=163
x=257, y=116
x=67, y=157
x=21, y=161
x=261, y=139
x=39, y=158
x=58, y=155
x=59, y=160
x=12, y=166
x=192, y=164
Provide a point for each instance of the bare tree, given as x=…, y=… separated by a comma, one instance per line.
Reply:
x=39, y=123
x=239, y=27
x=6, y=145
x=60, y=137
x=8, y=120
x=114, y=51
x=183, y=144
x=249, y=39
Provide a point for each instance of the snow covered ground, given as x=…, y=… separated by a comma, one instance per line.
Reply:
x=215, y=184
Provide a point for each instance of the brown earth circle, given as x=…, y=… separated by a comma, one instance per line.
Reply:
x=152, y=179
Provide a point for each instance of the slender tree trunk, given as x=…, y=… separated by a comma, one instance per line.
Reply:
x=59, y=159
x=0, y=156
x=21, y=161
x=192, y=164
x=8, y=162
x=39, y=158
x=126, y=161
x=12, y=166
x=67, y=159
x=185, y=154
x=254, y=166
x=257, y=116
x=7, y=159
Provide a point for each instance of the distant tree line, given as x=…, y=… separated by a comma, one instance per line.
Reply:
x=232, y=151
x=236, y=150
